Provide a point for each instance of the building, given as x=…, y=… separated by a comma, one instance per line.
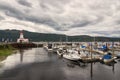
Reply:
x=21, y=39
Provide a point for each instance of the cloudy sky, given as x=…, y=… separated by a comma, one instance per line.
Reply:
x=71, y=17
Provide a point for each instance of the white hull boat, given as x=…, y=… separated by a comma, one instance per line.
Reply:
x=109, y=60
x=73, y=57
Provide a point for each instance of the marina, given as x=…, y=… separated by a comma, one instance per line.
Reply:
x=38, y=64
x=59, y=40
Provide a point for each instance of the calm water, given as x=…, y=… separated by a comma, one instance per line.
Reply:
x=37, y=64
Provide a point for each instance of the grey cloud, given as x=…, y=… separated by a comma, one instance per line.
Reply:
x=64, y=15
x=54, y=6
x=86, y=22
x=81, y=24
x=101, y=32
x=13, y=12
x=18, y=23
x=46, y=21
x=117, y=22
x=44, y=7
x=1, y=18
x=24, y=3
x=116, y=32
x=106, y=33
x=57, y=3
x=98, y=20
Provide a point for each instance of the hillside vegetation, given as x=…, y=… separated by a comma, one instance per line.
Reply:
x=32, y=36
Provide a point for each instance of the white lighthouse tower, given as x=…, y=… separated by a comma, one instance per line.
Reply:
x=21, y=39
x=21, y=35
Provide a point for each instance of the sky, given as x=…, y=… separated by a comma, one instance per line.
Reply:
x=70, y=17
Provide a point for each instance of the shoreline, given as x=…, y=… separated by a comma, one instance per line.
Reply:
x=6, y=50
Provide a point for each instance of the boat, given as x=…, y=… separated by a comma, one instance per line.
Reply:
x=48, y=48
x=55, y=49
x=107, y=58
x=71, y=55
x=98, y=51
x=60, y=52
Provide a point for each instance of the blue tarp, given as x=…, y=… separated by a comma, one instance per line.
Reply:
x=83, y=46
x=107, y=56
x=104, y=47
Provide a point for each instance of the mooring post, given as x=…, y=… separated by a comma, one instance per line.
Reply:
x=112, y=48
x=91, y=50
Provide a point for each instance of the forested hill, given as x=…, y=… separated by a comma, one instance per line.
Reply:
x=32, y=36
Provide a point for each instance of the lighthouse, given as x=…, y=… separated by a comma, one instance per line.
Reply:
x=21, y=35
x=21, y=39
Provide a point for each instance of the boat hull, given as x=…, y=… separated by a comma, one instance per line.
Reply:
x=72, y=57
x=108, y=60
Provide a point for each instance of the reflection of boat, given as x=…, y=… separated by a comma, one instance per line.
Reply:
x=71, y=63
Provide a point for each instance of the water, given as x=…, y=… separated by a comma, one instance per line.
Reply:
x=37, y=64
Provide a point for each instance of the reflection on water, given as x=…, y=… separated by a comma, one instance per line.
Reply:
x=21, y=54
x=23, y=57
x=37, y=64
x=91, y=70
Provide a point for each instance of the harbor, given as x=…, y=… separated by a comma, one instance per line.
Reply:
x=59, y=40
x=38, y=64
x=63, y=60
x=85, y=51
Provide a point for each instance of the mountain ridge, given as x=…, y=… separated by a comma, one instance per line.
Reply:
x=35, y=36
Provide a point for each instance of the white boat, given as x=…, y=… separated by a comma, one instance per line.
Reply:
x=108, y=60
x=98, y=51
x=71, y=55
x=60, y=52
x=55, y=49
x=48, y=49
